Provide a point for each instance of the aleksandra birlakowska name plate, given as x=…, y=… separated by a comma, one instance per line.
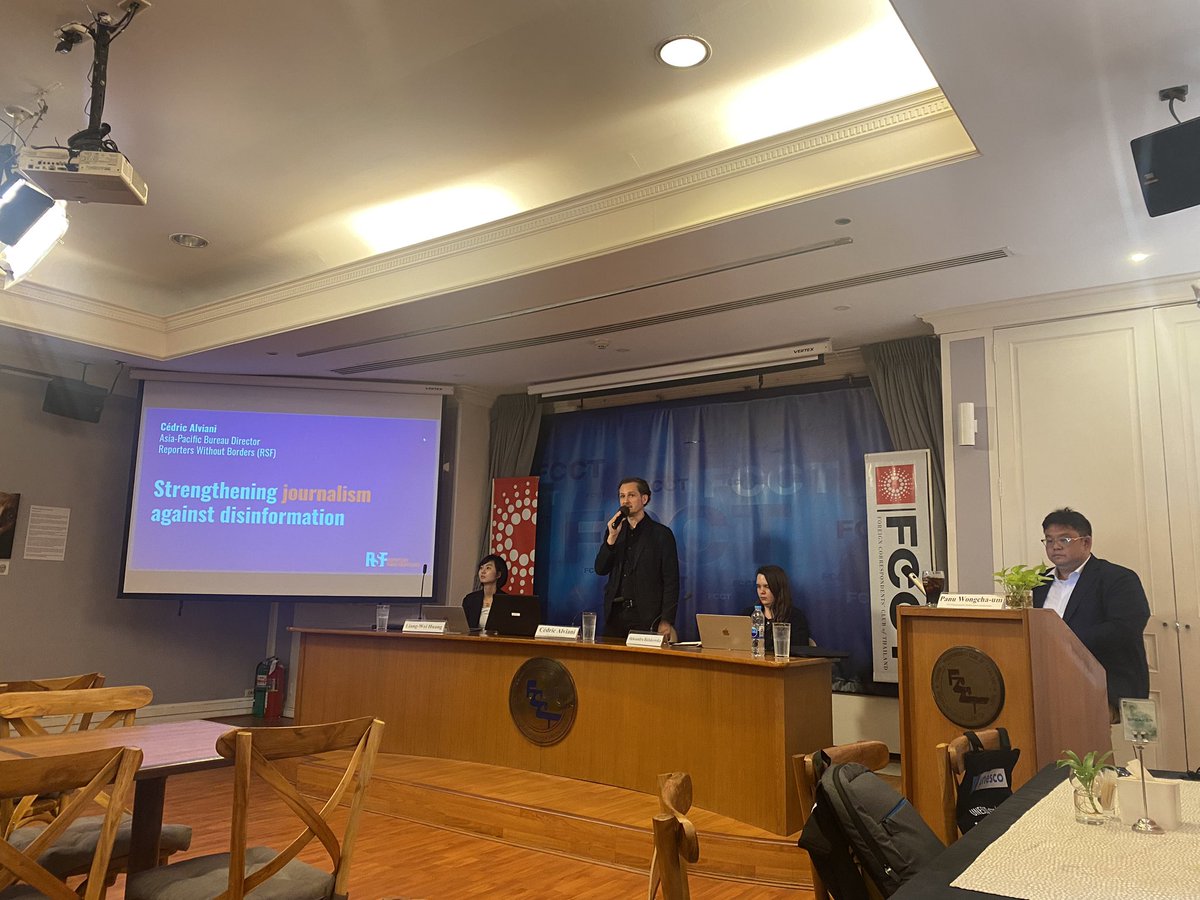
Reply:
x=542, y=701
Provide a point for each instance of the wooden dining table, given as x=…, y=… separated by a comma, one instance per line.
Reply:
x=168, y=748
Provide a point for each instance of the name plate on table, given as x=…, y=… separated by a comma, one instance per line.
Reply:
x=645, y=640
x=420, y=626
x=557, y=633
x=971, y=601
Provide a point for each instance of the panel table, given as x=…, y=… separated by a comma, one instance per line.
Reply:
x=731, y=721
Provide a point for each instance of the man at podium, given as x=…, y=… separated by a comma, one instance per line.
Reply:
x=1102, y=603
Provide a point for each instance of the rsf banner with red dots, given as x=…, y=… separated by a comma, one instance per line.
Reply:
x=514, y=530
x=899, y=544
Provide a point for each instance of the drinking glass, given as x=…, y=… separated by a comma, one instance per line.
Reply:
x=781, y=634
x=382, y=613
x=589, y=628
x=934, y=582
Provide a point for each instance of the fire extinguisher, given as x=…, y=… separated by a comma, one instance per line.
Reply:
x=270, y=682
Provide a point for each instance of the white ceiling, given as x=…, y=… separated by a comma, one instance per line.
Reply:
x=631, y=190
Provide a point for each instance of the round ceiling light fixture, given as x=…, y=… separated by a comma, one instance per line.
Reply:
x=684, y=51
x=191, y=241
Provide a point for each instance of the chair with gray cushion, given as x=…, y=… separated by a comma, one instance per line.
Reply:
x=25, y=712
x=269, y=874
x=82, y=777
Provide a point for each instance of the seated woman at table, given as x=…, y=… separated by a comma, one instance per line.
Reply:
x=493, y=572
x=775, y=597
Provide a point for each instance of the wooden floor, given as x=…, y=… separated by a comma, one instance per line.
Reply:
x=395, y=858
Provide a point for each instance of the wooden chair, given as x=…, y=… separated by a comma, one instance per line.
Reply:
x=950, y=773
x=675, y=841
x=86, y=775
x=64, y=683
x=809, y=769
x=22, y=711
x=232, y=875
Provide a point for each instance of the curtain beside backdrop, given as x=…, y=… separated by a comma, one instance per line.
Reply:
x=907, y=378
x=742, y=483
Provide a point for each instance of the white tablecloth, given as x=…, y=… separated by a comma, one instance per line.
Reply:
x=1047, y=855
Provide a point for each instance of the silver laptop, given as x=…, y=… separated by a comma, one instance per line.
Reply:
x=454, y=617
x=724, y=632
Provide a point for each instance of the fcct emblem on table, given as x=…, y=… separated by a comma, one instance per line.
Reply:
x=968, y=687
x=542, y=701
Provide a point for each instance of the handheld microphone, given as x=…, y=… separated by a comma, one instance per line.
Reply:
x=624, y=513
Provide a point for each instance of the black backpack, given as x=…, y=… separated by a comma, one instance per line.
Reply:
x=858, y=816
x=987, y=779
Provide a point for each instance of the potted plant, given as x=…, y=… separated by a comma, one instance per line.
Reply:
x=1091, y=786
x=1018, y=583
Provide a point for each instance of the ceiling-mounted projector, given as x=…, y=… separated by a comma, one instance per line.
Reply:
x=89, y=176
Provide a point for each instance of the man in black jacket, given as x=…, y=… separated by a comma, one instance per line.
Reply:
x=1103, y=603
x=642, y=564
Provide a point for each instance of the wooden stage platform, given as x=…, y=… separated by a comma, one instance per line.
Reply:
x=576, y=819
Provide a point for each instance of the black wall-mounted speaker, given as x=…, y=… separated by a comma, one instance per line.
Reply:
x=74, y=399
x=1168, y=167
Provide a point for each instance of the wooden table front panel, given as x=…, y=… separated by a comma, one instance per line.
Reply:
x=732, y=724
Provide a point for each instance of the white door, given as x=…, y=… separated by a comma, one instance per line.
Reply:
x=1079, y=425
x=1178, y=331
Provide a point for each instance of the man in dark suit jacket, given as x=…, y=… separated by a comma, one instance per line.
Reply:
x=1103, y=603
x=642, y=564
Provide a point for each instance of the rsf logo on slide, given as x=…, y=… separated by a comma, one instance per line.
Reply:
x=377, y=560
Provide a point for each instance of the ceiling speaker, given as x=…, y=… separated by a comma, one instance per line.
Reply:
x=1168, y=167
x=74, y=399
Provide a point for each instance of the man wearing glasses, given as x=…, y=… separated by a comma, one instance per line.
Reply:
x=1101, y=602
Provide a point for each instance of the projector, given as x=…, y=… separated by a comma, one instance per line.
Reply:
x=92, y=176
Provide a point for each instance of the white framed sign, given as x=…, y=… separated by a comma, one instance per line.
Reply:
x=644, y=639
x=971, y=601
x=899, y=545
x=423, y=626
x=557, y=633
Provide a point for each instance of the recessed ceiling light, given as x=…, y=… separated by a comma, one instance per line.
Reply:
x=842, y=221
x=841, y=308
x=684, y=51
x=191, y=241
x=1138, y=257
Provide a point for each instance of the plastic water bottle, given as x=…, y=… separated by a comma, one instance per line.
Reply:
x=758, y=625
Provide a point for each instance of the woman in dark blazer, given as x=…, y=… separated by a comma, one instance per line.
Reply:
x=493, y=573
x=775, y=597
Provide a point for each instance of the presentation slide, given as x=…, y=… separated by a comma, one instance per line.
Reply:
x=258, y=501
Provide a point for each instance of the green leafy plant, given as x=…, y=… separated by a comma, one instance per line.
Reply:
x=1086, y=770
x=1021, y=578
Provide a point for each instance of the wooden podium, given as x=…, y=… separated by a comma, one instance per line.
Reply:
x=1054, y=692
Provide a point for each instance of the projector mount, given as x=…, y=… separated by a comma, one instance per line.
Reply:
x=1171, y=94
x=103, y=31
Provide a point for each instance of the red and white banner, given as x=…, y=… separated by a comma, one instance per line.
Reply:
x=899, y=544
x=513, y=530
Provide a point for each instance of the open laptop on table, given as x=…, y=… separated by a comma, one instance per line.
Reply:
x=514, y=616
x=454, y=617
x=724, y=632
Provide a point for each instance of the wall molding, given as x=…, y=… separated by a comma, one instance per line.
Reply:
x=1165, y=291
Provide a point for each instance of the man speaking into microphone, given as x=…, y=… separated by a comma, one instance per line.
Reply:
x=639, y=557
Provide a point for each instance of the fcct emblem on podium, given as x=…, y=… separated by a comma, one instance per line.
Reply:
x=967, y=687
x=542, y=701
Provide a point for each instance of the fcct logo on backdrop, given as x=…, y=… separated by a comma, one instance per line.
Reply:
x=895, y=484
